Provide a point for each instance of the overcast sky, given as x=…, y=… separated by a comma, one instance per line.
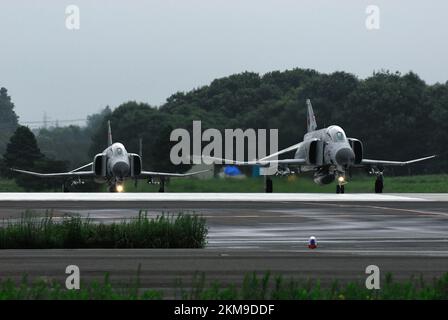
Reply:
x=147, y=50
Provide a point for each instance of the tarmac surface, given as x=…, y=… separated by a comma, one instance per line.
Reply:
x=402, y=234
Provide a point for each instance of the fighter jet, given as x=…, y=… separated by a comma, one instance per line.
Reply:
x=326, y=152
x=113, y=166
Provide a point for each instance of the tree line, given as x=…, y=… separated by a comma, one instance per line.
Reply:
x=396, y=116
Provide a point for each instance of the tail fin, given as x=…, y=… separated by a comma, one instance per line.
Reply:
x=109, y=134
x=311, y=120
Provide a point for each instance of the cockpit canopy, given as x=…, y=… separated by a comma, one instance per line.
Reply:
x=337, y=134
x=117, y=149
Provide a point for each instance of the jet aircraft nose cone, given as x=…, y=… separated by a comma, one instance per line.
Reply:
x=120, y=169
x=345, y=156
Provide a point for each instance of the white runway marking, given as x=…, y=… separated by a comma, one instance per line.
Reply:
x=217, y=197
x=381, y=252
x=437, y=213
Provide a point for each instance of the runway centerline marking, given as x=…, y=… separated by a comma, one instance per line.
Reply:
x=443, y=214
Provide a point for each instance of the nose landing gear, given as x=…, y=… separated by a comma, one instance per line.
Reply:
x=116, y=187
x=340, y=187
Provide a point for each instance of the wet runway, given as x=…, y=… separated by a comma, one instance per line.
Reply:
x=406, y=237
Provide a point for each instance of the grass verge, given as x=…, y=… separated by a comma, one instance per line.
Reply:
x=437, y=183
x=164, y=231
x=301, y=184
x=253, y=287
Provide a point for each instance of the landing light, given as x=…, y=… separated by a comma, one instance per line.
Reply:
x=120, y=188
x=341, y=179
x=312, y=242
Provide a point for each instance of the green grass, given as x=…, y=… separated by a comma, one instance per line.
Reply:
x=301, y=183
x=9, y=185
x=261, y=287
x=164, y=231
x=252, y=287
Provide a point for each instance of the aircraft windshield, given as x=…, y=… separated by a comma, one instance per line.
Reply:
x=339, y=136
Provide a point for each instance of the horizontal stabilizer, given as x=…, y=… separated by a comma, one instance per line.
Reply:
x=55, y=175
x=370, y=162
x=166, y=174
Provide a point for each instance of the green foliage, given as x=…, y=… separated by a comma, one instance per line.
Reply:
x=22, y=149
x=396, y=116
x=68, y=144
x=254, y=287
x=22, y=152
x=53, y=290
x=385, y=111
x=265, y=286
x=71, y=144
x=165, y=231
x=8, y=119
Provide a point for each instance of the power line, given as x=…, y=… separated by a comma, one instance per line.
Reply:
x=66, y=120
x=45, y=123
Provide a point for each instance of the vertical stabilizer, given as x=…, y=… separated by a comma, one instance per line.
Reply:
x=311, y=120
x=109, y=134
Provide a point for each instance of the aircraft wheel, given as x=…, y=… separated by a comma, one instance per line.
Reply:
x=269, y=185
x=162, y=185
x=342, y=189
x=338, y=189
x=112, y=188
x=379, y=186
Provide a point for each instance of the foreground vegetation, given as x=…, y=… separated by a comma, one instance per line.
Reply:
x=252, y=287
x=165, y=231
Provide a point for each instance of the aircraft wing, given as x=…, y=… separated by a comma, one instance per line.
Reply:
x=293, y=147
x=56, y=175
x=261, y=163
x=369, y=162
x=166, y=174
x=83, y=167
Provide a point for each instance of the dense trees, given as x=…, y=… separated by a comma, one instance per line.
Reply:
x=8, y=119
x=396, y=116
x=22, y=152
x=71, y=143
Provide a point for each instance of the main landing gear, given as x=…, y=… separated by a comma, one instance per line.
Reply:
x=379, y=181
x=162, y=184
x=268, y=187
x=68, y=184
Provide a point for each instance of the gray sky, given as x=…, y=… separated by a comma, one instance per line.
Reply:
x=147, y=50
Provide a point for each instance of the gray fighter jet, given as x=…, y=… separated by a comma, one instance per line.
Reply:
x=113, y=166
x=326, y=152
